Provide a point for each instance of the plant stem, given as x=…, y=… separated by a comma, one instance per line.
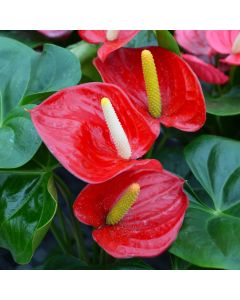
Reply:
x=162, y=142
x=149, y=153
x=232, y=74
x=102, y=257
x=96, y=253
x=105, y=258
x=82, y=251
x=219, y=125
x=218, y=89
x=67, y=195
x=63, y=227
x=58, y=238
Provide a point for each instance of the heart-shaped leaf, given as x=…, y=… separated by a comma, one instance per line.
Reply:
x=28, y=204
x=225, y=105
x=210, y=236
x=26, y=75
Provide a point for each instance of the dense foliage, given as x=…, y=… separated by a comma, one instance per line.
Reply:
x=163, y=180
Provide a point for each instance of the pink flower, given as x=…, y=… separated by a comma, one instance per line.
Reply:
x=226, y=42
x=194, y=41
x=201, y=57
x=55, y=34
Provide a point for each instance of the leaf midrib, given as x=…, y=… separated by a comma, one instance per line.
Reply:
x=47, y=169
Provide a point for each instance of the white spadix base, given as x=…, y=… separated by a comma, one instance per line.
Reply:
x=116, y=130
x=112, y=35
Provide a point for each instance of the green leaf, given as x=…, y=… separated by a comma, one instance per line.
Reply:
x=225, y=105
x=25, y=76
x=31, y=38
x=167, y=41
x=130, y=264
x=67, y=262
x=180, y=264
x=28, y=205
x=18, y=138
x=210, y=236
x=173, y=160
x=86, y=52
x=143, y=39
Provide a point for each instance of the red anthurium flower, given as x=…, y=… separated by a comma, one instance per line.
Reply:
x=94, y=130
x=226, y=42
x=111, y=39
x=201, y=60
x=55, y=34
x=137, y=213
x=158, y=82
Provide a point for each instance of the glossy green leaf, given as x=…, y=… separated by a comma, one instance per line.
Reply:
x=130, y=264
x=26, y=75
x=86, y=52
x=143, y=39
x=180, y=264
x=67, y=262
x=210, y=236
x=225, y=105
x=166, y=40
x=31, y=38
x=28, y=205
x=173, y=160
x=19, y=140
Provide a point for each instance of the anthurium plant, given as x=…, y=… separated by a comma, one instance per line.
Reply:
x=119, y=149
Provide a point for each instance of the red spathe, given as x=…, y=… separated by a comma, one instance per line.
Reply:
x=72, y=125
x=151, y=224
x=183, y=104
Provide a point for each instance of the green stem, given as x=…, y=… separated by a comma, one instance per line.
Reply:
x=96, y=253
x=102, y=257
x=162, y=142
x=216, y=63
x=218, y=89
x=82, y=251
x=58, y=238
x=67, y=195
x=219, y=125
x=63, y=227
x=149, y=153
x=232, y=74
x=105, y=258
